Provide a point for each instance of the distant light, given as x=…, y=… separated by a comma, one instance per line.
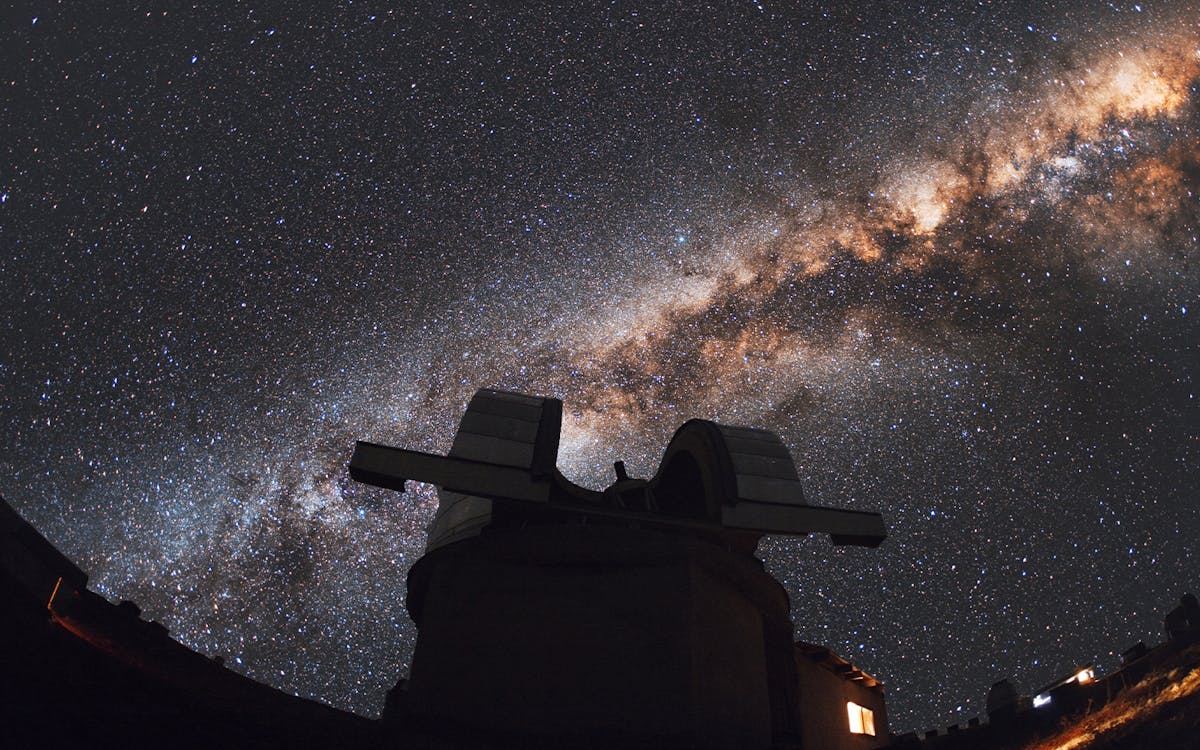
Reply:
x=1084, y=676
x=1040, y=700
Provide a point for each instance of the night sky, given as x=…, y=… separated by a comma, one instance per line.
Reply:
x=948, y=251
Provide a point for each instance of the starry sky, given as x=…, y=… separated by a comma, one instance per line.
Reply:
x=947, y=250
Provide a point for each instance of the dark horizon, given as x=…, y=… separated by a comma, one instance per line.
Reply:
x=947, y=253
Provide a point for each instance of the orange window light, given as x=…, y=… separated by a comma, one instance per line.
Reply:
x=862, y=719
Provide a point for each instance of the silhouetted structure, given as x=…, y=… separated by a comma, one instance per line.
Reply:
x=633, y=617
x=1004, y=703
x=77, y=671
x=1183, y=622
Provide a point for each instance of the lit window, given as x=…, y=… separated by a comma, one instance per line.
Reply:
x=862, y=719
x=1040, y=700
x=1084, y=676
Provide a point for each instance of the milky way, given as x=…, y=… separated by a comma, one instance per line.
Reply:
x=947, y=252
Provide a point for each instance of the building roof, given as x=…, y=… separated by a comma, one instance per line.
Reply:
x=829, y=660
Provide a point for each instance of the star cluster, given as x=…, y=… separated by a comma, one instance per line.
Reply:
x=946, y=250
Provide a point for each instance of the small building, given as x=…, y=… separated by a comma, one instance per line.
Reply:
x=839, y=706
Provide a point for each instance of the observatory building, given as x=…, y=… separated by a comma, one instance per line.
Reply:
x=549, y=615
x=554, y=615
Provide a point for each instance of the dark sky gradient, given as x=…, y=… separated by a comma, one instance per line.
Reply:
x=947, y=251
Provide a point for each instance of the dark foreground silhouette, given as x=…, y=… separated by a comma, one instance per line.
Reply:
x=553, y=616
